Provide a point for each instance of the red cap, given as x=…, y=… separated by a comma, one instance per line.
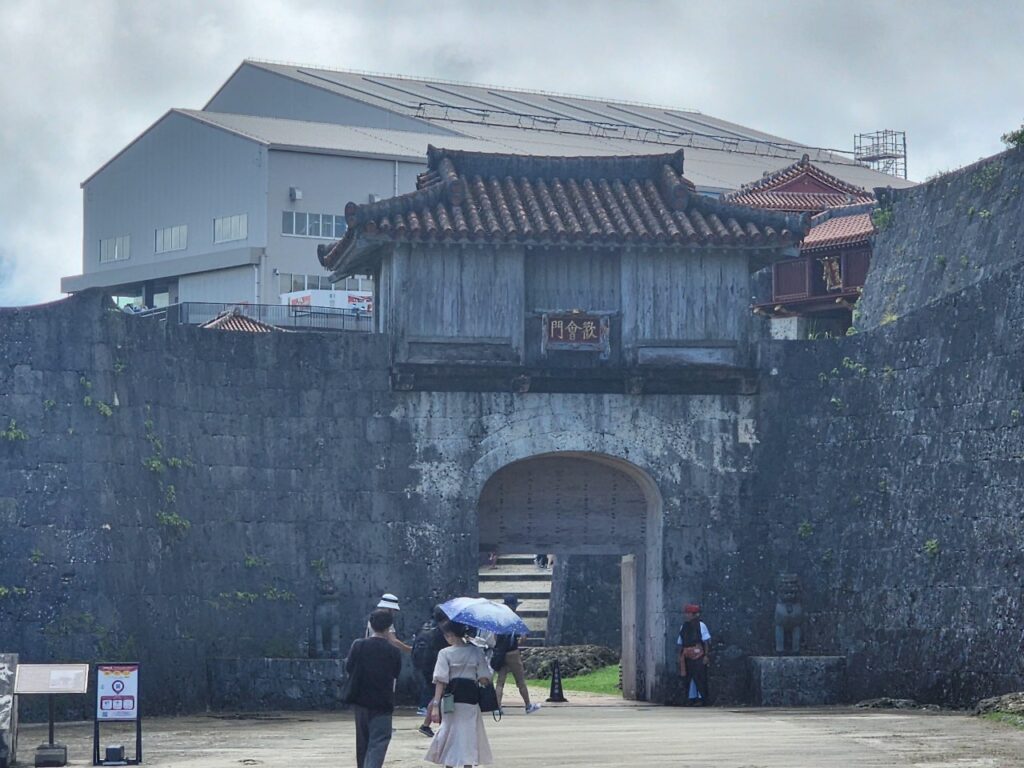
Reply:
x=691, y=608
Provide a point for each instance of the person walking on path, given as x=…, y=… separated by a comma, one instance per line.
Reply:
x=374, y=665
x=461, y=740
x=507, y=658
x=429, y=642
x=694, y=643
x=388, y=602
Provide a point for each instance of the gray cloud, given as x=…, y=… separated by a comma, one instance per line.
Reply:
x=83, y=79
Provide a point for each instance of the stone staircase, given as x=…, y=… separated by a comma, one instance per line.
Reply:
x=520, y=576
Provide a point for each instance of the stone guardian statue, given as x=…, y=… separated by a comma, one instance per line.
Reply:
x=789, y=615
x=326, y=621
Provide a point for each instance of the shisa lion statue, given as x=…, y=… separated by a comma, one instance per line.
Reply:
x=789, y=614
x=327, y=621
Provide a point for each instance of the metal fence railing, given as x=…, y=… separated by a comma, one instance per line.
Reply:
x=290, y=316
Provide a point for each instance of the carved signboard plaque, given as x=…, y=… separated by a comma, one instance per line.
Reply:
x=575, y=331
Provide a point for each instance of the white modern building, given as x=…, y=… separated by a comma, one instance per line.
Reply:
x=228, y=203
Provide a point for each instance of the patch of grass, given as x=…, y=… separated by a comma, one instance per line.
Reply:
x=605, y=680
x=253, y=561
x=987, y=176
x=275, y=594
x=882, y=218
x=1007, y=718
x=13, y=433
x=174, y=523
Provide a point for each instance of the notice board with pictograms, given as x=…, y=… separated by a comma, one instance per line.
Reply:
x=117, y=700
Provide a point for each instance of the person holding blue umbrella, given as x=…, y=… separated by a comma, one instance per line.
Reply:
x=481, y=613
x=461, y=668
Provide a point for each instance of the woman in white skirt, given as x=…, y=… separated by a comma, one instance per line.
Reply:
x=461, y=740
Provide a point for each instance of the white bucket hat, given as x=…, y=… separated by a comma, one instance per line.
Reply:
x=387, y=600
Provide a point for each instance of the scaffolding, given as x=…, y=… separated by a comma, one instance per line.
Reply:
x=885, y=151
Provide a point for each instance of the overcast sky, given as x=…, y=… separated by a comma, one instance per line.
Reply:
x=82, y=78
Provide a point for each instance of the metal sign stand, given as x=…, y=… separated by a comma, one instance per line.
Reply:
x=51, y=753
x=117, y=700
x=51, y=679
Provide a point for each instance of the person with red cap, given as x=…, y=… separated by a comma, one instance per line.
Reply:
x=694, y=643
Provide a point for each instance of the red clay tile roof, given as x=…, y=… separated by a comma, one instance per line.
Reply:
x=801, y=186
x=840, y=226
x=483, y=197
x=234, y=320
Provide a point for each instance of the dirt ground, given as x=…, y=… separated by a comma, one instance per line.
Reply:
x=589, y=731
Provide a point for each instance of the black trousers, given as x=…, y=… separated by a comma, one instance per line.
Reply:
x=696, y=671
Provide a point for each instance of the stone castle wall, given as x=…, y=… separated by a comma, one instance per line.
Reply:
x=890, y=477
x=174, y=495
x=938, y=238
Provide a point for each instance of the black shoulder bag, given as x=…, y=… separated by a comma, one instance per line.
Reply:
x=350, y=685
x=489, y=700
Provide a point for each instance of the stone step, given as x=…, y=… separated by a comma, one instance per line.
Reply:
x=516, y=559
x=515, y=568
x=542, y=578
x=496, y=590
x=539, y=613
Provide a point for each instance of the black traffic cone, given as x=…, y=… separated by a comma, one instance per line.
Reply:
x=556, y=683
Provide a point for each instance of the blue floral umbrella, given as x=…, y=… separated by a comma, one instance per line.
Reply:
x=483, y=614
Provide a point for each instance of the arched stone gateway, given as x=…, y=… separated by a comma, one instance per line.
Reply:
x=577, y=503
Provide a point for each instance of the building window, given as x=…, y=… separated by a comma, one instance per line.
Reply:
x=172, y=238
x=325, y=226
x=289, y=283
x=228, y=228
x=115, y=248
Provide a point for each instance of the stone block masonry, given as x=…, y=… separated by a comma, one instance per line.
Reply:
x=938, y=238
x=174, y=495
x=275, y=684
x=891, y=474
x=797, y=681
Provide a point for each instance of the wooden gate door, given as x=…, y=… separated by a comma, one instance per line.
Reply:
x=629, y=628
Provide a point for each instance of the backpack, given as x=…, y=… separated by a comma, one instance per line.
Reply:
x=421, y=649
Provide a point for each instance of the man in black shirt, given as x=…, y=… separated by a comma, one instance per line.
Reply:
x=375, y=665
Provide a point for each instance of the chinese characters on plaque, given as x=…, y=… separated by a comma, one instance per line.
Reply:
x=575, y=332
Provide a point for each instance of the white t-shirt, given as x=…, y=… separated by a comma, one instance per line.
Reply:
x=704, y=634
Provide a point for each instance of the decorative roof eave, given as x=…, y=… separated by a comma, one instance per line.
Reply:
x=365, y=255
x=597, y=202
x=838, y=243
x=771, y=181
x=235, y=320
x=860, y=232
x=846, y=210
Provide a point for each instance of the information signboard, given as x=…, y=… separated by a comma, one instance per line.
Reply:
x=117, y=691
x=51, y=678
x=117, y=700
